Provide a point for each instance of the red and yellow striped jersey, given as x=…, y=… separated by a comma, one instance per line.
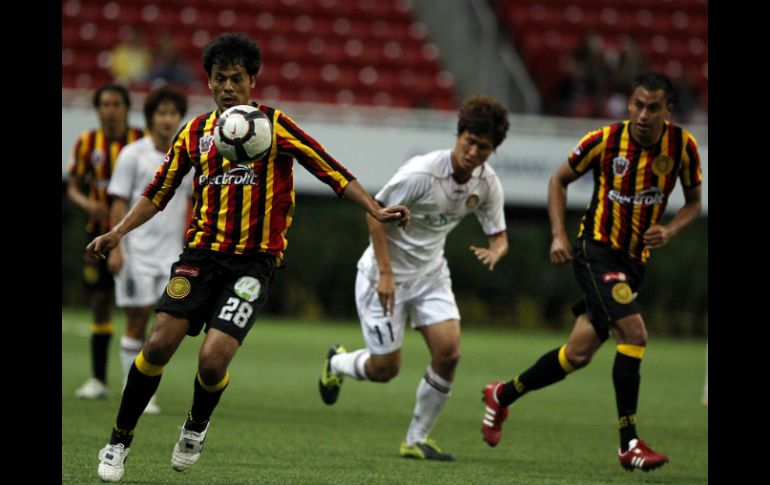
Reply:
x=242, y=208
x=632, y=183
x=92, y=161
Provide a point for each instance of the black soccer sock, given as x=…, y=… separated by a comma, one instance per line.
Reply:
x=101, y=333
x=626, y=377
x=205, y=399
x=143, y=380
x=550, y=368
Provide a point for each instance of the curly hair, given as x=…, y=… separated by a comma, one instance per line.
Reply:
x=482, y=115
x=232, y=49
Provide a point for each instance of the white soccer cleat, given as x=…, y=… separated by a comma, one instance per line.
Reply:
x=92, y=389
x=188, y=449
x=152, y=406
x=111, y=461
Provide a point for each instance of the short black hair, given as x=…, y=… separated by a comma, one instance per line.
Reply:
x=158, y=96
x=121, y=90
x=653, y=81
x=232, y=49
x=482, y=115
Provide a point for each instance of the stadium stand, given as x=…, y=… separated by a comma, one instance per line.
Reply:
x=361, y=52
x=672, y=36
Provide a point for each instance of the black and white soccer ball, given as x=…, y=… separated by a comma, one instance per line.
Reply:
x=243, y=134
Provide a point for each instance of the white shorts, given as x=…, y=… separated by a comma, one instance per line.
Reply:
x=423, y=302
x=139, y=289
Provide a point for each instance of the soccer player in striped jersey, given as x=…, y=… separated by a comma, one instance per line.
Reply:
x=90, y=168
x=635, y=165
x=237, y=237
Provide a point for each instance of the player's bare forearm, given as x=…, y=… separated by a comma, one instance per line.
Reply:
x=386, y=289
x=379, y=237
x=142, y=212
x=95, y=210
x=118, y=210
x=560, y=251
x=657, y=236
x=498, y=247
x=355, y=192
x=74, y=194
x=557, y=197
x=688, y=213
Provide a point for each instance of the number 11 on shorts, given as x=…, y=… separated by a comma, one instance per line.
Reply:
x=379, y=334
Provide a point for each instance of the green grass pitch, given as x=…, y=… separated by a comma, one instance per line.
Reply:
x=272, y=428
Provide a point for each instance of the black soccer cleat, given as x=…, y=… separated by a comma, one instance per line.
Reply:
x=330, y=383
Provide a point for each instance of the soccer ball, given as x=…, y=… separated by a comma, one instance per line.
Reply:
x=243, y=134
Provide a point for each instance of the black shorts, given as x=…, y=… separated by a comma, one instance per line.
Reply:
x=222, y=291
x=610, y=281
x=96, y=276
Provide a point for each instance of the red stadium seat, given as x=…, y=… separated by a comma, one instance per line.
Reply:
x=544, y=31
x=348, y=51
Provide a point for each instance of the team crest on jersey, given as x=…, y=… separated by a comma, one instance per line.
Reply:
x=178, y=287
x=622, y=293
x=205, y=144
x=620, y=166
x=472, y=201
x=97, y=158
x=662, y=165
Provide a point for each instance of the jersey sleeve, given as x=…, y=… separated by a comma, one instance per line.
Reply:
x=310, y=154
x=587, y=152
x=690, y=175
x=171, y=172
x=124, y=174
x=491, y=213
x=404, y=188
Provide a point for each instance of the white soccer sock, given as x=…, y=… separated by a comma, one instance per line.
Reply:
x=432, y=393
x=129, y=349
x=351, y=364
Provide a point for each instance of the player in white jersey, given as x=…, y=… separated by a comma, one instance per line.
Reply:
x=403, y=275
x=142, y=260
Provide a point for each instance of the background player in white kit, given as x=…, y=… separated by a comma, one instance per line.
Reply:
x=403, y=276
x=142, y=260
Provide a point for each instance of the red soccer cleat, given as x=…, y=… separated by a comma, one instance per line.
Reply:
x=494, y=415
x=639, y=455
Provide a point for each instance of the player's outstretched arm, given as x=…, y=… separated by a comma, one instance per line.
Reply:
x=142, y=212
x=657, y=236
x=355, y=192
x=498, y=247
